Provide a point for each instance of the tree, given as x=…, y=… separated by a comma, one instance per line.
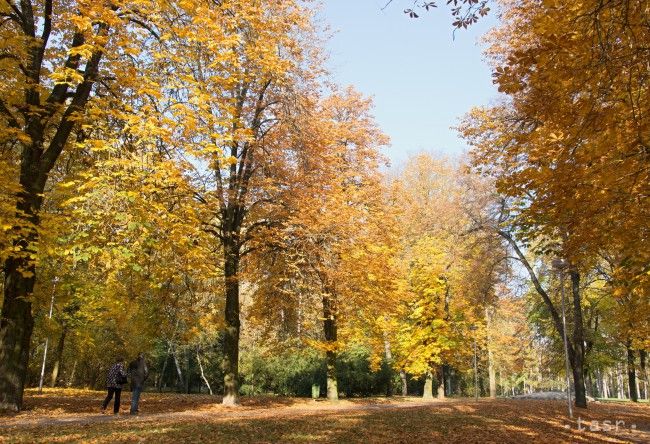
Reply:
x=464, y=12
x=52, y=61
x=233, y=105
x=451, y=270
x=568, y=145
x=334, y=220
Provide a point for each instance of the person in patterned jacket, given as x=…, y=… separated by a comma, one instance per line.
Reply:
x=116, y=377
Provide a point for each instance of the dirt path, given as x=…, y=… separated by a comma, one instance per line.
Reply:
x=217, y=414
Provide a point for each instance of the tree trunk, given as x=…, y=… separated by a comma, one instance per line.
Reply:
x=389, y=362
x=16, y=327
x=37, y=160
x=332, y=382
x=16, y=321
x=162, y=372
x=402, y=377
x=578, y=343
x=576, y=349
x=428, y=386
x=72, y=374
x=619, y=383
x=59, y=357
x=230, y=363
x=179, y=372
x=491, y=373
x=589, y=384
x=187, y=370
x=198, y=359
x=644, y=373
x=441, y=382
x=631, y=372
x=331, y=336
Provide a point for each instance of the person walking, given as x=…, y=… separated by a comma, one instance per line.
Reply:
x=116, y=377
x=138, y=371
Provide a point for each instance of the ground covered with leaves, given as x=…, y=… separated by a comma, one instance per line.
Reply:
x=73, y=416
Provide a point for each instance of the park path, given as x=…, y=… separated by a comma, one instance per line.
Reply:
x=217, y=414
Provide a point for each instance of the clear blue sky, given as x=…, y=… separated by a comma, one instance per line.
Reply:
x=421, y=76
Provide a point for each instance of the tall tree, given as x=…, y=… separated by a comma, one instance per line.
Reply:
x=334, y=222
x=52, y=64
x=569, y=145
x=234, y=82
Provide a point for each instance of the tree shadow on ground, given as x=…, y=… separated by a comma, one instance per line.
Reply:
x=464, y=422
x=53, y=402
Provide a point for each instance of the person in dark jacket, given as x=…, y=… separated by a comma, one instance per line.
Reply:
x=138, y=371
x=116, y=377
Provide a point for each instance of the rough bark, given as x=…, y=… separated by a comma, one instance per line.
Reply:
x=230, y=363
x=16, y=328
x=631, y=372
x=17, y=322
x=578, y=345
x=331, y=336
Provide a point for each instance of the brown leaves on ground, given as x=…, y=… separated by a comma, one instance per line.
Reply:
x=72, y=416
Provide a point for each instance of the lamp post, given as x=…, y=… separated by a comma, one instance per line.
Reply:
x=474, y=328
x=559, y=265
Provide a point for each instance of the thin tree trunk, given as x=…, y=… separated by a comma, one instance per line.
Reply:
x=187, y=370
x=331, y=336
x=589, y=384
x=389, y=362
x=59, y=357
x=619, y=382
x=72, y=374
x=609, y=384
x=575, y=347
x=644, y=372
x=179, y=373
x=491, y=372
x=402, y=377
x=198, y=359
x=164, y=368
